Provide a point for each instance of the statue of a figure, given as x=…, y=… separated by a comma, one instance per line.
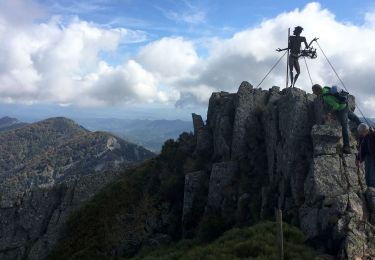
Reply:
x=294, y=45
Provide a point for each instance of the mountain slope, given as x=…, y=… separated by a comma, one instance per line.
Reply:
x=56, y=149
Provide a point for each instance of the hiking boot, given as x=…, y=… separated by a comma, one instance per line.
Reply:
x=346, y=150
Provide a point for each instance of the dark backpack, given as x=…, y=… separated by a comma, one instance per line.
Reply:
x=341, y=95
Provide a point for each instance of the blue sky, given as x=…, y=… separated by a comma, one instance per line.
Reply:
x=162, y=59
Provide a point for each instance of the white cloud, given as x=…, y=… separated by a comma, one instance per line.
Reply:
x=170, y=58
x=51, y=62
x=189, y=14
x=249, y=55
x=62, y=62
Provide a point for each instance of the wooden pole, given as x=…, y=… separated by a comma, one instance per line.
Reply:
x=287, y=62
x=280, y=233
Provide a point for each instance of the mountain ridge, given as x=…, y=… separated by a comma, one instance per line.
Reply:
x=9, y=123
x=51, y=150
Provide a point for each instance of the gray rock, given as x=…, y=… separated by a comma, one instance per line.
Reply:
x=222, y=193
x=309, y=221
x=325, y=139
x=220, y=116
x=204, y=145
x=195, y=196
x=287, y=123
x=330, y=177
x=249, y=104
x=197, y=123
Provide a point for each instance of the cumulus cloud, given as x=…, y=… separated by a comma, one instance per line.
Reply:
x=170, y=58
x=249, y=54
x=58, y=61
x=62, y=62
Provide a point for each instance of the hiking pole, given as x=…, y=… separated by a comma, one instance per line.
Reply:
x=271, y=69
x=342, y=83
x=287, y=62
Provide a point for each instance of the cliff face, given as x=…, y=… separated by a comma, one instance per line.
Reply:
x=32, y=228
x=268, y=151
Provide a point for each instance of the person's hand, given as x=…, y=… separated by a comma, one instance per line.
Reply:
x=315, y=39
x=278, y=49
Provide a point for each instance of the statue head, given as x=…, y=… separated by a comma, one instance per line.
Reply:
x=297, y=30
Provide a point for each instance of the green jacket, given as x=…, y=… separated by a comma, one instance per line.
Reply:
x=331, y=100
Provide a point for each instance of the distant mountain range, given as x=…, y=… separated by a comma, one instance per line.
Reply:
x=150, y=134
x=57, y=149
x=8, y=123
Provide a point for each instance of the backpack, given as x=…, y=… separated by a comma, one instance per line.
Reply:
x=341, y=95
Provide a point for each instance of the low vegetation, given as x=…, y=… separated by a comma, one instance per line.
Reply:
x=256, y=242
x=143, y=201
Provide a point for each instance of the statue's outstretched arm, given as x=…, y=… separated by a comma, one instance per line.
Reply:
x=313, y=40
x=278, y=49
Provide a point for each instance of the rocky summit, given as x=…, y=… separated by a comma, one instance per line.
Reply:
x=274, y=149
x=47, y=169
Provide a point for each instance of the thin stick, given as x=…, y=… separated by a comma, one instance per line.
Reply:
x=287, y=62
x=280, y=232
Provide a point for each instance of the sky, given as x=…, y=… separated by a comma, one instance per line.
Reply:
x=162, y=59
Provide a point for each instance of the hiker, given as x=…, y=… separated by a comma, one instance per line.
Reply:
x=366, y=152
x=338, y=106
x=294, y=45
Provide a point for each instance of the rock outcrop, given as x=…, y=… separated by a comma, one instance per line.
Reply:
x=275, y=149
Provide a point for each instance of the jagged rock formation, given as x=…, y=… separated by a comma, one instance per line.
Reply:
x=47, y=170
x=269, y=152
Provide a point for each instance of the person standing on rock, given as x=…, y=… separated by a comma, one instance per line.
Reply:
x=294, y=45
x=367, y=152
x=341, y=111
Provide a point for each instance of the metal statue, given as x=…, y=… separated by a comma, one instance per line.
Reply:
x=294, y=46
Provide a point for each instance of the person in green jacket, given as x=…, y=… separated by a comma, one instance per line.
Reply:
x=341, y=111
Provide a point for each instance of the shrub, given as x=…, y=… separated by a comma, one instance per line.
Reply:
x=210, y=228
x=255, y=242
